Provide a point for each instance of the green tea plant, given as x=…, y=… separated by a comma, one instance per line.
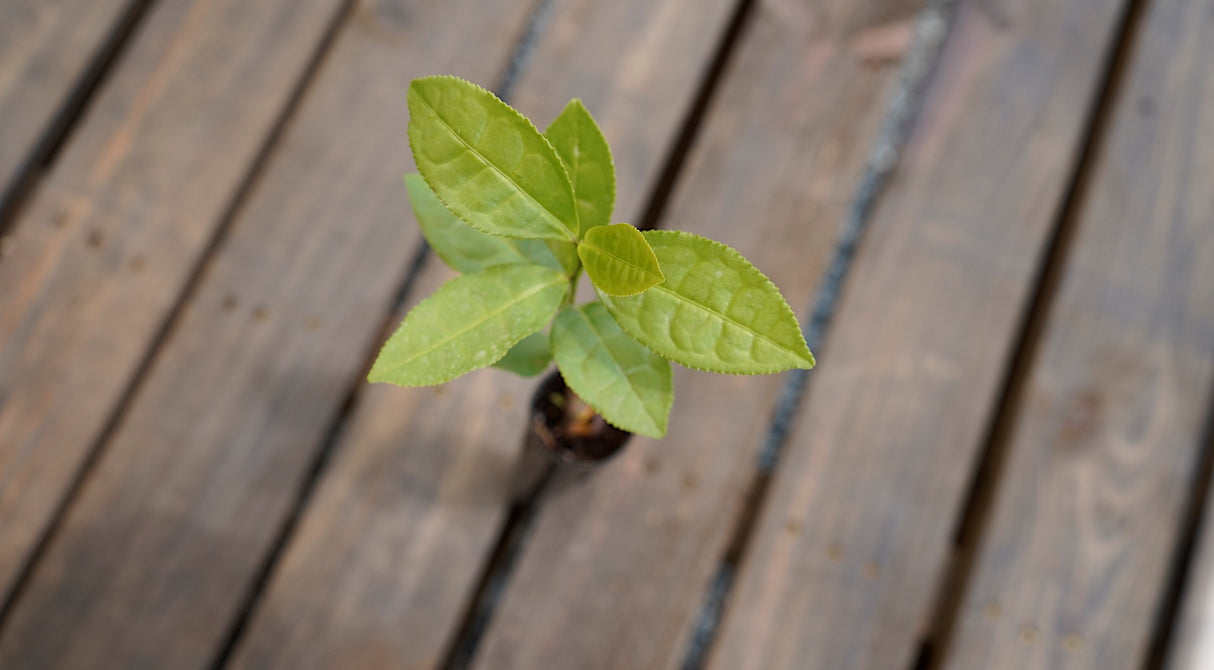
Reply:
x=521, y=214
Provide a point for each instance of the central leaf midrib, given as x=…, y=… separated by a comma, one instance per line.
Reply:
x=488, y=163
x=482, y=320
x=725, y=318
x=623, y=260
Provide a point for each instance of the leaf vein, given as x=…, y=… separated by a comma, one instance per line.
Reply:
x=489, y=164
x=726, y=318
x=479, y=321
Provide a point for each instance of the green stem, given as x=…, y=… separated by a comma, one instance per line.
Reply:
x=569, y=297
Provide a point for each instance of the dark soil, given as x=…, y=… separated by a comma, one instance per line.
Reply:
x=571, y=430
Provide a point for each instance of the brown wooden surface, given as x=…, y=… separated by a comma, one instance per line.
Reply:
x=154, y=560
x=1082, y=511
x=46, y=48
x=1076, y=560
x=844, y=566
x=617, y=567
x=100, y=257
x=422, y=478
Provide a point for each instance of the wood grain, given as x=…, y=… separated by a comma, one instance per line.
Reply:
x=855, y=535
x=390, y=550
x=46, y=49
x=102, y=254
x=152, y=563
x=617, y=567
x=1102, y=455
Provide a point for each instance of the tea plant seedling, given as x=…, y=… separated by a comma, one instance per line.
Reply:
x=521, y=214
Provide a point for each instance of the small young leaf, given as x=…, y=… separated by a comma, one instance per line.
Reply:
x=467, y=249
x=469, y=323
x=715, y=311
x=487, y=162
x=629, y=385
x=587, y=157
x=529, y=357
x=618, y=260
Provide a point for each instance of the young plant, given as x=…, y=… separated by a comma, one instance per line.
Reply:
x=521, y=214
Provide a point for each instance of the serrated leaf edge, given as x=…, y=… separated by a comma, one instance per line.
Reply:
x=659, y=276
x=571, y=173
x=787, y=309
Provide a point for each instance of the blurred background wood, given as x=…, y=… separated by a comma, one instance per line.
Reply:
x=101, y=257
x=50, y=56
x=861, y=513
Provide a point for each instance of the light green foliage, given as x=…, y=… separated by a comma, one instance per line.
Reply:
x=469, y=323
x=628, y=384
x=467, y=249
x=522, y=214
x=487, y=162
x=618, y=260
x=587, y=158
x=715, y=311
x=529, y=357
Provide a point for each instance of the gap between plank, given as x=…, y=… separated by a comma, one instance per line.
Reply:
x=975, y=513
x=676, y=155
x=512, y=537
x=519, y=58
x=15, y=194
x=1159, y=651
x=914, y=76
x=168, y=325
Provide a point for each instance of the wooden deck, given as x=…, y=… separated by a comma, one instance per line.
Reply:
x=995, y=216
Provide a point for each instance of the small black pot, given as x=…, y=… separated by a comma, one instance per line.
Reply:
x=556, y=441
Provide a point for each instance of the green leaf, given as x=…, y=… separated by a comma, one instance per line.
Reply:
x=618, y=260
x=529, y=357
x=587, y=157
x=626, y=383
x=461, y=246
x=469, y=323
x=487, y=162
x=715, y=311
x=467, y=249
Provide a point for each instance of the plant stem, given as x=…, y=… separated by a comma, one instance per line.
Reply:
x=577, y=274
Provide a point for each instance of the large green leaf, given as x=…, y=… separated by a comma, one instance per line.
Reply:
x=469, y=323
x=618, y=260
x=467, y=249
x=587, y=157
x=529, y=357
x=487, y=162
x=628, y=384
x=715, y=311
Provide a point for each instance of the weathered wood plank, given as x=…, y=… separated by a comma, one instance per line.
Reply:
x=849, y=550
x=97, y=262
x=391, y=548
x=46, y=49
x=616, y=569
x=154, y=560
x=1075, y=563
